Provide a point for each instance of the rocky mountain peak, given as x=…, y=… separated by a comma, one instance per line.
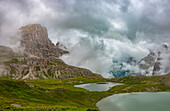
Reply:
x=39, y=60
x=156, y=62
x=34, y=38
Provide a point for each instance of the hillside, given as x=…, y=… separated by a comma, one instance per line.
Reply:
x=61, y=95
x=48, y=95
x=24, y=66
x=142, y=84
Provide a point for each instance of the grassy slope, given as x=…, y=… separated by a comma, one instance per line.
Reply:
x=58, y=94
x=61, y=95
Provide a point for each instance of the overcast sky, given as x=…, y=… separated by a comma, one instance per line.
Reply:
x=96, y=32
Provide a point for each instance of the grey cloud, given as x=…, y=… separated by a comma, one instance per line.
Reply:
x=126, y=27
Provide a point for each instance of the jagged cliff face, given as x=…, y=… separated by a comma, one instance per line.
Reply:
x=156, y=62
x=34, y=38
x=36, y=68
x=39, y=59
x=26, y=66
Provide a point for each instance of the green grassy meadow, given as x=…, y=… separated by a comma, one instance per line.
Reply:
x=55, y=94
x=61, y=95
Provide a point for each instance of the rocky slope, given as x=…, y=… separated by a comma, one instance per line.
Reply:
x=39, y=59
x=29, y=67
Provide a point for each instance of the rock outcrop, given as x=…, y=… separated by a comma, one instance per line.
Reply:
x=34, y=38
x=5, y=51
x=39, y=59
x=26, y=66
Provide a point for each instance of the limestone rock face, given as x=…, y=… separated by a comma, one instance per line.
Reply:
x=39, y=59
x=26, y=66
x=4, y=51
x=34, y=38
x=147, y=63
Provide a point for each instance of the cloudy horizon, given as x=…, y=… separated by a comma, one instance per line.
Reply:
x=96, y=33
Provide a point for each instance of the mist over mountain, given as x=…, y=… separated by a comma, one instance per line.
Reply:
x=107, y=36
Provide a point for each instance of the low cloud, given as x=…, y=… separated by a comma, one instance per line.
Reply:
x=96, y=32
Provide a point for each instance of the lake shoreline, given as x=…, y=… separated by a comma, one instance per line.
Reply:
x=108, y=100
